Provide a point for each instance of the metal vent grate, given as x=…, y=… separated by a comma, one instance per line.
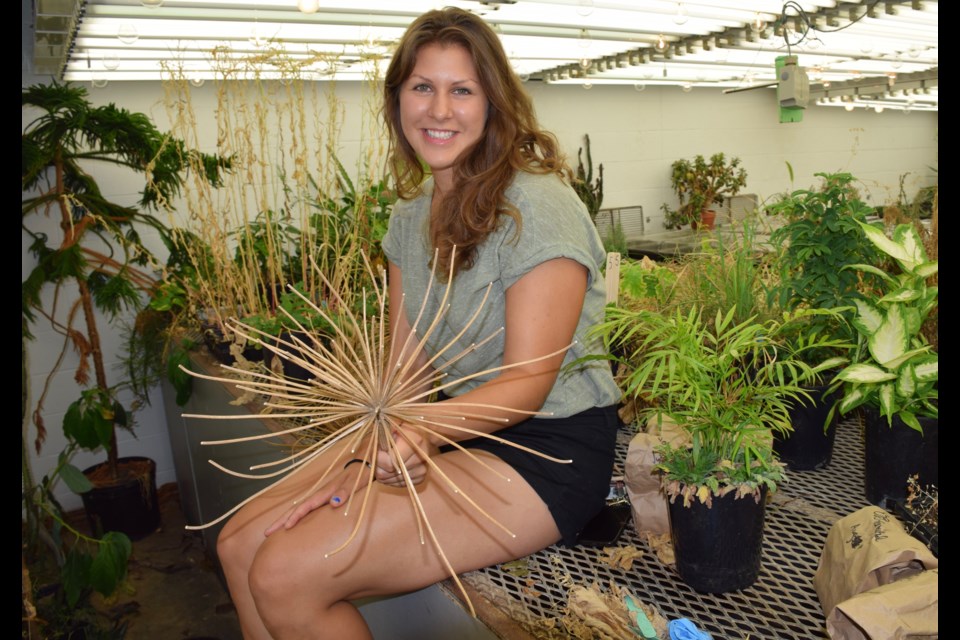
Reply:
x=781, y=605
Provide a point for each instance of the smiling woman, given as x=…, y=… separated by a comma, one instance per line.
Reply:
x=496, y=214
x=443, y=109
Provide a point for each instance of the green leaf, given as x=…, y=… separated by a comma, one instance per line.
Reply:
x=895, y=250
x=109, y=567
x=76, y=575
x=927, y=371
x=182, y=381
x=865, y=374
x=890, y=340
x=74, y=479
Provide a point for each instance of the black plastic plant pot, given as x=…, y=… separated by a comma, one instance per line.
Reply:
x=808, y=446
x=893, y=453
x=291, y=369
x=219, y=347
x=130, y=505
x=718, y=549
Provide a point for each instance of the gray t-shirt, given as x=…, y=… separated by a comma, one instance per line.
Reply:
x=555, y=224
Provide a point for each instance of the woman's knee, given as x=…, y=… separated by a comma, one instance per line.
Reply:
x=236, y=547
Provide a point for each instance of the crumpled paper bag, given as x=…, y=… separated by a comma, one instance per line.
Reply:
x=908, y=609
x=864, y=550
x=648, y=503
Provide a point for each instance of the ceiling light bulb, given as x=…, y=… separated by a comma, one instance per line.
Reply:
x=110, y=61
x=308, y=6
x=878, y=108
x=848, y=106
x=588, y=85
x=197, y=81
x=98, y=82
x=897, y=62
x=639, y=86
x=127, y=33
x=584, y=40
x=758, y=23
x=687, y=87
x=151, y=4
x=585, y=63
x=661, y=43
x=866, y=47
x=681, y=16
x=913, y=52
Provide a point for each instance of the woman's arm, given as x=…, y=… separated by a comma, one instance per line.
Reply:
x=542, y=311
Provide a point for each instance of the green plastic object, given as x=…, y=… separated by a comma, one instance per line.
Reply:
x=641, y=624
x=787, y=114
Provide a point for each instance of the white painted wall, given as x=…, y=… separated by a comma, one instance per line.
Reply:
x=636, y=135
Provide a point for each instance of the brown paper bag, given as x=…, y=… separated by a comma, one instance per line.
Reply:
x=864, y=550
x=648, y=504
x=906, y=609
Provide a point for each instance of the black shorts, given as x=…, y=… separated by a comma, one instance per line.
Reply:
x=573, y=492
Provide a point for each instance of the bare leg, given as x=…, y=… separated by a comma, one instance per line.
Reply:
x=287, y=586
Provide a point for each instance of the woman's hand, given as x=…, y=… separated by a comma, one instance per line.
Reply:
x=408, y=443
x=335, y=493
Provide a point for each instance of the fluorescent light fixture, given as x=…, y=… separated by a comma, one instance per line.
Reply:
x=546, y=39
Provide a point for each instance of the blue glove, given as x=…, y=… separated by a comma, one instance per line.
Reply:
x=683, y=629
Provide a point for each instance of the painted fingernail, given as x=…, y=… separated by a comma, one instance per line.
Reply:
x=336, y=500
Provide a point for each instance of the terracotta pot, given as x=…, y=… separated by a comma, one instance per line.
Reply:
x=708, y=220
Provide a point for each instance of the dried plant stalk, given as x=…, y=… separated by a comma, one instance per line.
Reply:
x=365, y=387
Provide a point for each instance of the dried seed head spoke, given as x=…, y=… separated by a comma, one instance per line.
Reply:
x=363, y=389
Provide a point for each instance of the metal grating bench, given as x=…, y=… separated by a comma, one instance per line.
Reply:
x=781, y=605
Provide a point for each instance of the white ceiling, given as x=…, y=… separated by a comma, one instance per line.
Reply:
x=868, y=50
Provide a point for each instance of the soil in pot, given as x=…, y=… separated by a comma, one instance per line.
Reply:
x=128, y=505
x=893, y=453
x=718, y=548
x=808, y=446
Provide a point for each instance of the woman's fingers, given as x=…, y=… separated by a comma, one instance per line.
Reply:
x=335, y=493
x=406, y=446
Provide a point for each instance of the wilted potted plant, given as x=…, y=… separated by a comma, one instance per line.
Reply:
x=99, y=250
x=729, y=385
x=893, y=373
x=699, y=185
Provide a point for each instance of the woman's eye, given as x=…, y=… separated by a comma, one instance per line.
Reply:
x=421, y=88
x=462, y=91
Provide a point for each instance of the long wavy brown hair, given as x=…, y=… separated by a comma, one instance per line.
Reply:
x=512, y=140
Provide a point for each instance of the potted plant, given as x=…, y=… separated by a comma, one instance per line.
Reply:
x=893, y=372
x=699, y=185
x=100, y=251
x=729, y=385
x=818, y=238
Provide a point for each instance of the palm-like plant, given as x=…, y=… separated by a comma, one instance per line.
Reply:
x=728, y=383
x=100, y=248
